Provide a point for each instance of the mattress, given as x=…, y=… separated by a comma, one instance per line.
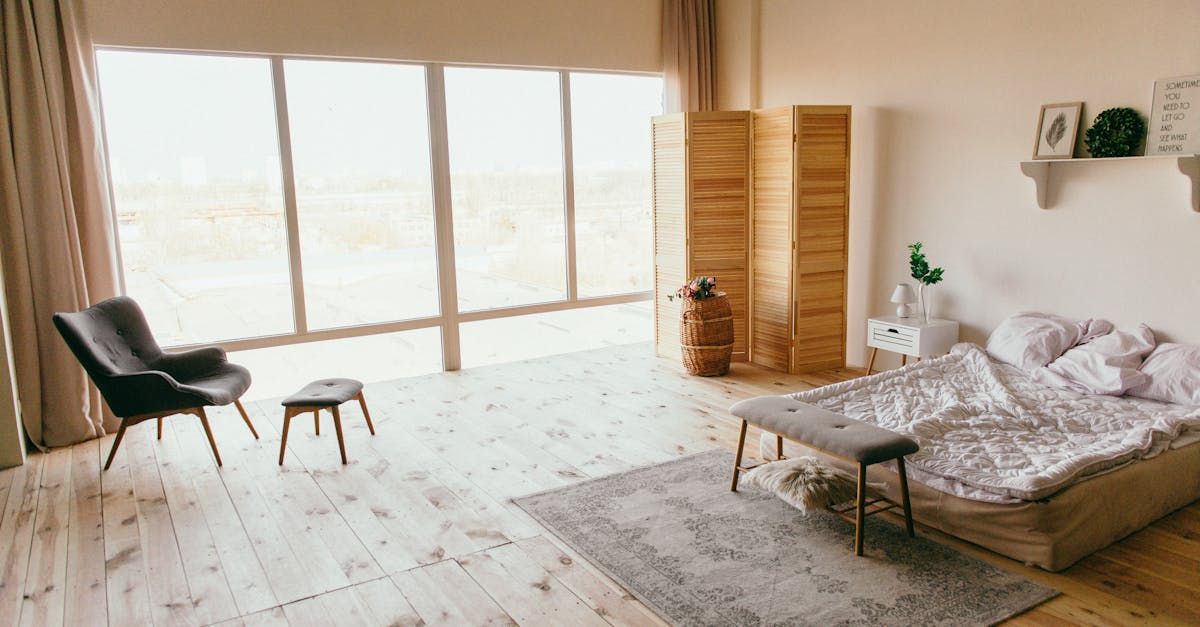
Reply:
x=1054, y=532
x=989, y=432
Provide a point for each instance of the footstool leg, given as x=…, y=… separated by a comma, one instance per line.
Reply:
x=317, y=420
x=287, y=422
x=362, y=402
x=859, y=517
x=337, y=425
x=737, y=459
x=908, y=522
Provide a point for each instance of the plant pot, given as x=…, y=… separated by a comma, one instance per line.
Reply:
x=706, y=335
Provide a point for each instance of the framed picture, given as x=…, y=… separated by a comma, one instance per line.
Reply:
x=1175, y=118
x=1057, y=126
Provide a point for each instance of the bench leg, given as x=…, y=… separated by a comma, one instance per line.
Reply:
x=337, y=425
x=859, y=518
x=908, y=522
x=737, y=459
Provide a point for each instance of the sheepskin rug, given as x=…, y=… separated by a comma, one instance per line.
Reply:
x=805, y=483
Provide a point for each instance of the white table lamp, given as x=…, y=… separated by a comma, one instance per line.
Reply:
x=903, y=296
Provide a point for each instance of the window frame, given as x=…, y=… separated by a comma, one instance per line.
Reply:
x=449, y=317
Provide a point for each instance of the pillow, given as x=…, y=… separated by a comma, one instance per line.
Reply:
x=1107, y=365
x=1173, y=372
x=1030, y=340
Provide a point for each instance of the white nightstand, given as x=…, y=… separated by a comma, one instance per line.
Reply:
x=910, y=337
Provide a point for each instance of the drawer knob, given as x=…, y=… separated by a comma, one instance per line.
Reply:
x=892, y=331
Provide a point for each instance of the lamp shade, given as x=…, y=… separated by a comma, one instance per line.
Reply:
x=903, y=294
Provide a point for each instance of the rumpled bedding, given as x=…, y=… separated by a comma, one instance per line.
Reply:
x=989, y=432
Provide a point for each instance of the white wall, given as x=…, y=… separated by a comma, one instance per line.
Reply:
x=946, y=95
x=610, y=34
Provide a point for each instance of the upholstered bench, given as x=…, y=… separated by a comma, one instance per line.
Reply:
x=323, y=394
x=836, y=435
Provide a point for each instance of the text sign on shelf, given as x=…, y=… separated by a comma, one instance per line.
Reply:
x=1174, y=127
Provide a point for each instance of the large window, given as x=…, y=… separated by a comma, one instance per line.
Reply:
x=196, y=181
x=507, y=174
x=360, y=144
x=264, y=201
x=610, y=123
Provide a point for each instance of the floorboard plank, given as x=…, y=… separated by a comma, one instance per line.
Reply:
x=86, y=588
x=171, y=602
x=444, y=594
x=525, y=590
x=46, y=578
x=605, y=597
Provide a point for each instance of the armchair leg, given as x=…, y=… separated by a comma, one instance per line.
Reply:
x=208, y=432
x=160, y=427
x=317, y=421
x=246, y=417
x=116, y=443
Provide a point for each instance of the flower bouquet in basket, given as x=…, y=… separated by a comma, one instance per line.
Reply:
x=698, y=288
x=705, y=327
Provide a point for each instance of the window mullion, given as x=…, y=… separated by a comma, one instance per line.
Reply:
x=291, y=214
x=564, y=82
x=435, y=90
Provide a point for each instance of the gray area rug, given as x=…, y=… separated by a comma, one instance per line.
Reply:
x=675, y=536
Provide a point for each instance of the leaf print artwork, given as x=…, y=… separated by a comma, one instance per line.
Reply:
x=1057, y=129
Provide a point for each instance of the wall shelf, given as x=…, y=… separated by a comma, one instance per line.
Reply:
x=1039, y=171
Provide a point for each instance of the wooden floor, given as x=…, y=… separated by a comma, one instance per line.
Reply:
x=418, y=527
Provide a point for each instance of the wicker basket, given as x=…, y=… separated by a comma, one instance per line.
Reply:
x=706, y=335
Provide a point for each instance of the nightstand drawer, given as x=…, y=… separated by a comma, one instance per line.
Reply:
x=892, y=337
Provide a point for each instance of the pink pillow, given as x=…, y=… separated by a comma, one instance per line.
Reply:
x=1106, y=365
x=1173, y=371
x=1030, y=340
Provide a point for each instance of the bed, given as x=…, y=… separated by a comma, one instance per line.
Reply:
x=1034, y=472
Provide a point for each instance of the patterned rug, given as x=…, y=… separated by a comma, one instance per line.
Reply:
x=675, y=536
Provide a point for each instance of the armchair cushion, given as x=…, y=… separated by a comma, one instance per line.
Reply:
x=113, y=342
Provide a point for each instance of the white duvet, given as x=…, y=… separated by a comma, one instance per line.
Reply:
x=989, y=432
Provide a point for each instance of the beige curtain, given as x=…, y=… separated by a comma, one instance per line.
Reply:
x=689, y=55
x=56, y=243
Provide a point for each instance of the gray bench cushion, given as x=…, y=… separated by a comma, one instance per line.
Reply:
x=826, y=430
x=324, y=393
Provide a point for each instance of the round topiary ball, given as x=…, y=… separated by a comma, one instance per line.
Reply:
x=1117, y=132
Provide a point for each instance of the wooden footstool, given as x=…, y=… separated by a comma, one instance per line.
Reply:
x=835, y=435
x=323, y=394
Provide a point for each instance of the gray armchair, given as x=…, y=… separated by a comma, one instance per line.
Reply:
x=140, y=381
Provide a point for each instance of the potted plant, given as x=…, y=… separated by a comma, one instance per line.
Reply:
x=924, y=275
x=705, y=327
